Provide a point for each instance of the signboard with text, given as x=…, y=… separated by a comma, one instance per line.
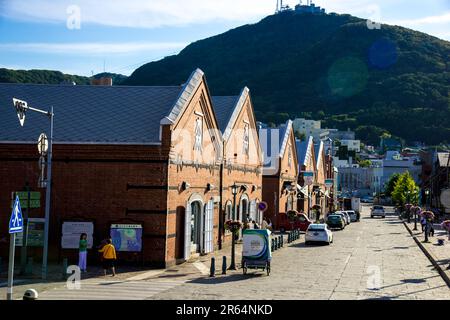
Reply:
x=71, y=232
x=35, y=199
x=35, y=233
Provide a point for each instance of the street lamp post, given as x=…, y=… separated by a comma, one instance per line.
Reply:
x=416, y=208
x=21, y=108
x=234, y=191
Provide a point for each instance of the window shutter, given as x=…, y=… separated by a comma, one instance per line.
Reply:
x=187, y=232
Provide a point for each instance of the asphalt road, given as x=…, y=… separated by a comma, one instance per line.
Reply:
x=372, y=259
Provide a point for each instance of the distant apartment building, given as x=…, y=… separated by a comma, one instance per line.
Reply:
x=395, y=163
x=359, y=181
x=352, y=145
x=311, y=128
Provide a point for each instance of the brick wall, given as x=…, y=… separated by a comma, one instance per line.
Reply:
x=103, y=184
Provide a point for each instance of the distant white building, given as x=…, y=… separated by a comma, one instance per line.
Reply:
x=305, y=126
x=311, y=128
x=395, y=163
x=352, y=145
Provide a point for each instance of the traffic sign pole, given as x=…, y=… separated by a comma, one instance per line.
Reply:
x=15, y=226
x=48, y=198
x=12, y=249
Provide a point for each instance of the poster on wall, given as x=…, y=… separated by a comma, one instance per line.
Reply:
x=329, y=183
x=127, y=237
x=71, y=232
x=35, y=233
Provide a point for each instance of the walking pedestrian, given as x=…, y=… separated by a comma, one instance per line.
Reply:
x=255, y=225
x=82, y=248
x=109, y=257
x=423, y=222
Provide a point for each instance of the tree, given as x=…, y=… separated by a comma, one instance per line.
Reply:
x=405, y=190
x=365, y=163
x=300, y=135
x=391, y=184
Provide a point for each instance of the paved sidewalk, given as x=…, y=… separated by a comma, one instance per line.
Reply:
x=130, y=283
x=55, y=277
x=439, y=254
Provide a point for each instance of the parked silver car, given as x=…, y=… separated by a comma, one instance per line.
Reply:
x=353, y=215
x=345, y=216
x=377, y=211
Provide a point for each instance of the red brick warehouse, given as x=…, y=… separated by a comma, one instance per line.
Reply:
x=242, y=159
x=146, y=156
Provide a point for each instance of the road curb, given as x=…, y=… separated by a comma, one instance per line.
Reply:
x=429, y=255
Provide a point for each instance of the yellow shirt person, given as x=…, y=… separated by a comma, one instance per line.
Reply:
x=109, y=252
x=109, y=256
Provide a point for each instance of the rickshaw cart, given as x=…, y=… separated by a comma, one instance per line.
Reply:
x=256, y=251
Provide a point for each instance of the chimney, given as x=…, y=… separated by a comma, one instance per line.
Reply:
x=103, y=81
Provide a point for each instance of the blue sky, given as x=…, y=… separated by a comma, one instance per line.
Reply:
x=85, y=36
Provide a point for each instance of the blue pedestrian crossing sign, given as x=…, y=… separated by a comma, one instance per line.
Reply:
x=16, y=221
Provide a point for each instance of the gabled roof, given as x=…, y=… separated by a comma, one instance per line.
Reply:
x=304, y=149
x=227, y=110
x=224, y=106
x=94, y=114
x=275, y=142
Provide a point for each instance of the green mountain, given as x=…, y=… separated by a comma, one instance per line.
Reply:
x=328, y=67
x=39, y=77
x=52, y=77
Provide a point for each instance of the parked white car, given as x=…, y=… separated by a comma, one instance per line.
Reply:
x=377, y=211
x=318, y=233
x=353, y=216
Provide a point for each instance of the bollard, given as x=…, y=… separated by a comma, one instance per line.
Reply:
x=224, y=265
x=30, y=294
x=275, y=246
x=1, y=265
x=64, y=268
x=272, y=242
x=282, y=240
x=29, y=266
x=212, y=272
x=279, y=242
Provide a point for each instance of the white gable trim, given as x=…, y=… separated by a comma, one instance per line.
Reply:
x=186, y=95
x=237, y=110
x=320, y=155
x=286, y=138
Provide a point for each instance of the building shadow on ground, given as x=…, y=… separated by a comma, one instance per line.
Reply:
x=229, y=278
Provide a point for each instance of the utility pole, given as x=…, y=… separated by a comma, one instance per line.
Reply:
x=21, y=109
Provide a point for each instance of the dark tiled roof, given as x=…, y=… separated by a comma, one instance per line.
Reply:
x=224, y=107
x=87, y=114
x=302, y=149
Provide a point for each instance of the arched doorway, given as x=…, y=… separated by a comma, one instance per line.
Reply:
x=243, y=208
x=193, y=229
x=196, y=226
